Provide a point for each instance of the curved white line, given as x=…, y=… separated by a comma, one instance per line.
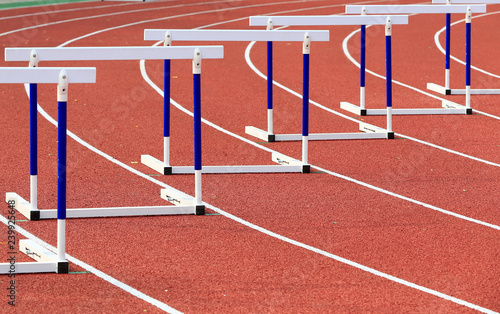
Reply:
x=317, y=250
x=438, y=44
x=62, y=11
x=95, y=271
x=373, y=271
x=127, y=12
x=349, y=56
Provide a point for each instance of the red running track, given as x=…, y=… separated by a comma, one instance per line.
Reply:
x=371, y=228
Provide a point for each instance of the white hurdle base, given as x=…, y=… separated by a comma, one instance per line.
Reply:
x=448, y=108
x=447, y=91
x=184, y=205
x=46, y=261
x=159, y=166
x=369, y=132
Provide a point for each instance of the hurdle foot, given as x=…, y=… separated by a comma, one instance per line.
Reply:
x=438, y=89
x=468, y=111
x=22, y=206
x=353, y=108
x=62, y=267
x=199, y=210
x=261, y=134
x=390, y=135
x=306, y=168
x=156, y=164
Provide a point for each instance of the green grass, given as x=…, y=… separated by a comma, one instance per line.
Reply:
x=22, y=4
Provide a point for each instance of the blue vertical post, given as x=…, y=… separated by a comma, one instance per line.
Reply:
x=270, y=131
x=270, y=86
x=362, y=67
x=166, y=109
x=197, y=120
x=61, y=159
x=166, y=98
x=33, y=130
x=448, y=50
x=33, y=148
x=62, y=101
x=305, y=96
x=468, y=20
x=388, y=64
x=306, y=49
x=199, y=207
x=34, y=213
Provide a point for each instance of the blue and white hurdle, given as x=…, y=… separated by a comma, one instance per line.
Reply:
x=369, y=131
x=286, y=164
x=184, y=204
x=47, y=261
x=448, y=106
x=446, y=90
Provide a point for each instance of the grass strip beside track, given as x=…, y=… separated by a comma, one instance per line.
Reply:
x=28, y=3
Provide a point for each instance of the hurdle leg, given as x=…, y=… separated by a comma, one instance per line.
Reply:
x=468, y=19
x=306, y=50
x=166, y=114
x=388, y=62
x=270, y=127
x=362, y=71
x=62, y=99
x=199, y=207
x=33, y=147
x=447, y=56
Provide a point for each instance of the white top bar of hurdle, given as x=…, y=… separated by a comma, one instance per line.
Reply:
x=468, y=1
x=413, y=8
x=46, y=75
x=327, y=20
x=235, y=35
x=113, y=53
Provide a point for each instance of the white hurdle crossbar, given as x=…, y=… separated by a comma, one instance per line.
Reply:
x=184, y=204
x=446, y=90
x=286, y=164
x=448, y=106
x=45, y=260
x=369, y=131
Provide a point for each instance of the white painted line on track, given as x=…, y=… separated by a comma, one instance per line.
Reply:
x=130, y=12
x=367, y=185
x=95, y=271
x=59, y=11
x=319, y=251
x=356, y=63
x=348, y=55
x=293, y=242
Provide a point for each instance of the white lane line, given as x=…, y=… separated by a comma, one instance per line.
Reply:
x=367, y=185
x=458, y=301
x=354, y=264
x=348, y=55
x=319, y=251
x=98, y=273
x=356, y=63
x=438, y=44
x=125, y=12
x=95, y=271
x=60, y=11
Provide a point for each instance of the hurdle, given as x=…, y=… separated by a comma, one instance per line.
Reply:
x=183, y=203
x=45, y=260
x=446, y=90
x=286, y=164
x=448, y=106
x=368, y=131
